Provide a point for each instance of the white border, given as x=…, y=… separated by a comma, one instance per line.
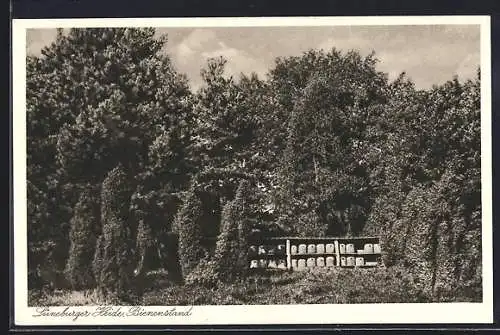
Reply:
x=253, y=314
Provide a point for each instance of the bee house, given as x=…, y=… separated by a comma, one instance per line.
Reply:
x=300, y=253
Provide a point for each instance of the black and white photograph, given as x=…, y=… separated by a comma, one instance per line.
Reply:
x=321, y=164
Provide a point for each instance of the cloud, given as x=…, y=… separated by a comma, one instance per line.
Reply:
x=36, y=39
x=239, y=61
x=428, y=54
x=192, y=53
x=194, y=43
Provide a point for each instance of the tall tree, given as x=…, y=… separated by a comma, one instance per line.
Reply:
x=97, y=98
x=188, y=227
x=428, y=181
x=325, y=178
x=231, y=251
x=85, y=229
x=116, y=242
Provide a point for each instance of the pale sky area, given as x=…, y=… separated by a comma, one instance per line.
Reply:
x=428, y=54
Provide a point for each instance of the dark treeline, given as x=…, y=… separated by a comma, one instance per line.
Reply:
x=130, y=170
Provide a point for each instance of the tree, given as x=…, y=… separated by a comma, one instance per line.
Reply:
x=188, y=227
x=156, y=199
x=242, y=204
x=324, y=177
x=428, y=183
x=116, y=242
x=85, y=228
x=227, y=250
x=231, y=251
x=97, y=98
x=393, y=156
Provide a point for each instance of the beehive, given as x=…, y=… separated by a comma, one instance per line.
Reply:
x=282, y=264
x=361, y=251
x=311, y=262
x=320, y=261
x=254, y=264
x=271, y=250
x=330, y=261
x=281, y=250
x=343, y=261
x=262, y=263
x=272, y=264
x=252, y=251
x=360, y=261
x=293, y=250
x=311, y=249
x=330, y=248
x=376, y=248
x=342, y=248
x=302, y=249
x=301, y=264
x=294, y=263
x=262, y=250
x=350, y=261
x=368, y=248
x=371, y=263
x=320, y=248
x=349, y=248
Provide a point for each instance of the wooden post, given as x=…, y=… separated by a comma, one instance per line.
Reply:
x=288, y=255
x=337, y=253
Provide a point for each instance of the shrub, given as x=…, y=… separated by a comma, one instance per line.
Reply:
x=242, y=207
x=98, y=260
x=231, y=251
x=83, y=238
x=227, y=249
x=187, y=226
x=115, y=246
x=204, y=274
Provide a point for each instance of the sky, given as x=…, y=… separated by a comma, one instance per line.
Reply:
x=429, y=54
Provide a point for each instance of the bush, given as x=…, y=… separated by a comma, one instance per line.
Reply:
x=187, y=225
x=205, y=274
x=114, y=257
x=227, y=249
x=83, y=239
x=231, y=251
x=242, y=206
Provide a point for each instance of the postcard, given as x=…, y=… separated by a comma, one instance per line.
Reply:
x=250, y=171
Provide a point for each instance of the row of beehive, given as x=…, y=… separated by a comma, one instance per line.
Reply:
x=330, y=262
x=356, y=261
x=264, y=263
x=267, y=250
x=311, y=262
x=329, y=248
x=302, y=249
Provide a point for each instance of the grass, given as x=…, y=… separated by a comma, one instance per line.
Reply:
x=319, y=286
x=65, y=298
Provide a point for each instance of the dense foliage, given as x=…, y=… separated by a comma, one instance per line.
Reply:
x=116, y=262
x=85, y=229
x=325, y=145
x=188, y=227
